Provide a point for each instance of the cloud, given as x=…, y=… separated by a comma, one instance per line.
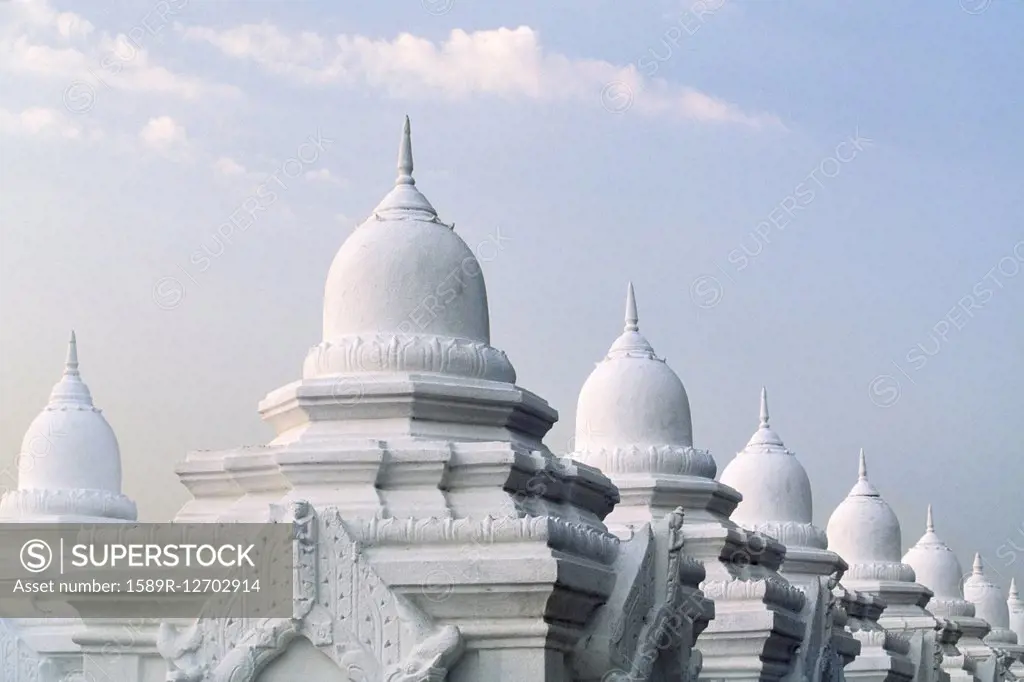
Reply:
x=229, y=167
x=506, y=63
x=324, y=175
x=164, y=134
x=37, y=40
x=41, y=122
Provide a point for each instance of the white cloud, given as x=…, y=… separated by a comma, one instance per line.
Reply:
x=35, y=39
x=509, y=63
x=323, y=175
x=164, y=135
x=228, y=166
x=40, y=121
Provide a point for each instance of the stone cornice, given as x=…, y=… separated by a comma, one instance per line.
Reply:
x=408, y=353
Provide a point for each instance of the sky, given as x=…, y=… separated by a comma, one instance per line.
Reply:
x=824, y=199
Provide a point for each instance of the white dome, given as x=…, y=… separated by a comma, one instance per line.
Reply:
x=632, y=398
x=863, y=529
x=403, y=271
x=935, y=564
x=776, y=491
x=69, y=445
x=1016, y=609
x=989, y=602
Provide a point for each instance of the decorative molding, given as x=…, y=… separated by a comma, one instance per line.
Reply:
x=568, y=536
x=793, y=533
x=339, y=604
x=21, y=504
x=881, y=570
x=408, y=353
x=768, y=589
x=671, y=460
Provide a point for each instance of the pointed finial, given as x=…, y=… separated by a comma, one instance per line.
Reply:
x=1014, y=595
x=632, y=320
x=979, y=568
x=405, y=156
x=930, y=523
x=71, y=365
x=863, y=470
x=764, y=407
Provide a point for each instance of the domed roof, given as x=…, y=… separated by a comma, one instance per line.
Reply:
x=632, y=398
x=863, y=529
x=776, y=490
x=989, y=603
x=69, y=445
x=935, y=564
x=403, y=271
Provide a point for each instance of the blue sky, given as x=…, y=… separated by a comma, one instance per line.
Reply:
x=822, y=199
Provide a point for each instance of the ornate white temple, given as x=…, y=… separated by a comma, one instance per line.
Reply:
x=449, y=543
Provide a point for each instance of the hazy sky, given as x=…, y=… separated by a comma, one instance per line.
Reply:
x=823, y=199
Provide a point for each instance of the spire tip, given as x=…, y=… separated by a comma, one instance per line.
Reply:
x=764, y=407
x=71, y=364
x=405, y=156
x=863, y=467
x=632, y=319
x=930, y=524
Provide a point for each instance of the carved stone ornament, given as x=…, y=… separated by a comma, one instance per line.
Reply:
x=408, y=353
x=18, y=662
x=763, y=588
x=339, y=604
x=653, y=629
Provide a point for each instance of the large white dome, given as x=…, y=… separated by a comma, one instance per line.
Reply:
x=935, y=564
x=404, y=271
x=405, y=294
x=776, y=490
x=864, y=529
x=632, y=397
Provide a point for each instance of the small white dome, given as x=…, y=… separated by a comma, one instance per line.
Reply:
x=403, y=271
x=69, y=445
x=989, y=602
x=1016, y=609
x=774, y=484
x=632, y=398
x=863, y=529
x=935, y=564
